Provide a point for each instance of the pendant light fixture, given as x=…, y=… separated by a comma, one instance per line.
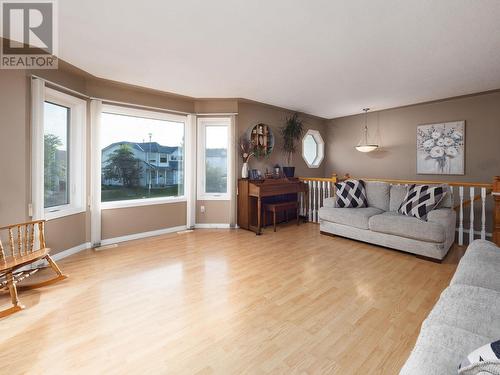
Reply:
x=363, y=145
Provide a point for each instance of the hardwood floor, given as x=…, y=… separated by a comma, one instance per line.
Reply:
x=227, y=302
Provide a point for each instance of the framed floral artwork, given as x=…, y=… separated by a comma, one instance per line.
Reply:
x=441, y=148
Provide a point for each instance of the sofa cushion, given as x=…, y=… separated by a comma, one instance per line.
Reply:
x=408, y=226
x=354, y=217
x=398, y=193
x=448, y=199
x=439, y=350
x=377, y=194
x=471, y=308
x=421, y=199
x=350, y=194
x=479, y=266
x=329, y=202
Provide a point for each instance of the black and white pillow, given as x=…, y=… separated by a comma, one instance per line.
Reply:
x=485, y=360
x=351, y=194
x=421, y=199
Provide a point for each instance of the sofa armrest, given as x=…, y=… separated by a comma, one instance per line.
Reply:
x=329, y=202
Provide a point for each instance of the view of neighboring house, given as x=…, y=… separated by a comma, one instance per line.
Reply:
x=160, y=166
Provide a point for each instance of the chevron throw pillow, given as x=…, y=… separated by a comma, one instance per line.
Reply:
x=485, y=360
x=351, y=194
x=421, y=199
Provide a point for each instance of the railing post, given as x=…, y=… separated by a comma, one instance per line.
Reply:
x=496, y=210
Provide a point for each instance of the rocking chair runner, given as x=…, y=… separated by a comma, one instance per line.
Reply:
x=22, y=252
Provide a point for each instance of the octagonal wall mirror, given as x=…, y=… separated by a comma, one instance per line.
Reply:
x=313, y=148
x=261, y=139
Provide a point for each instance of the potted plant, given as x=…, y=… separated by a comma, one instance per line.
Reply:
x=291, y=133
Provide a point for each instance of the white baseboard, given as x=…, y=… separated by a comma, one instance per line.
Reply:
x=137, y=236
x=60, y=255
x=73, y=250
x=212, y=226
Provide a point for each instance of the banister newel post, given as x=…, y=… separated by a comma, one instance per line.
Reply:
x=496, y=210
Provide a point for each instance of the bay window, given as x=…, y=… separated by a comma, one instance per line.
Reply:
x=142, y=157
x=213, y=159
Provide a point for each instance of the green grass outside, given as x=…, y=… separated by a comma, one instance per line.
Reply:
x=115, y=193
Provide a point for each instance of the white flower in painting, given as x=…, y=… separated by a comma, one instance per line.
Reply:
x=457, y=134
x=428, y=143
x=437, y=152
x=451, y=152
x=448, y=141
x=440, y=142
x=436, y=135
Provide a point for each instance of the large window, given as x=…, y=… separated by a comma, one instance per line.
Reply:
x=142, y=156
x=60, y=139
x=213, y=167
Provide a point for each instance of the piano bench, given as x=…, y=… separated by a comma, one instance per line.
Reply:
x=281, y=207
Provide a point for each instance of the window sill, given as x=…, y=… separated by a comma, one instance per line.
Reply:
x=214, y=197
x=52, y=215
x=140, y=202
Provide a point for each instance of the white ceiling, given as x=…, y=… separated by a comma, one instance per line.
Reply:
x=329, y=58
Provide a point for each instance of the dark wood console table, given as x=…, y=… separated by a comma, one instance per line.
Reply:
x=253, y=194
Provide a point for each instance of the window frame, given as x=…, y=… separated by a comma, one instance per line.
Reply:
x=154, y=115
x=320, y=148
x=76, y=156
x=203, y=123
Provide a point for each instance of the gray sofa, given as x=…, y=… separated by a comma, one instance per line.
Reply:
x=380, y=223
x=466, y=316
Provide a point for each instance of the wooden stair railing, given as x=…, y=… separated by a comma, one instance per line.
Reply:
x=26, y=245
x=321, y=188
x=496, y=210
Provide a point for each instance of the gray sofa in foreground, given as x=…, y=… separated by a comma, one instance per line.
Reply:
x=466, y=316
x=381, y=224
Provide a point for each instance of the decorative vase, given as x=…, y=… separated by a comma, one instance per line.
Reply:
x=244, y=170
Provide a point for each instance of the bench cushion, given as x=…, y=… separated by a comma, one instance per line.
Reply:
x=407, y=226
x=354, y=217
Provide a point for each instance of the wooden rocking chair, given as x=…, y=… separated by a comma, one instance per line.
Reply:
x=22, y=253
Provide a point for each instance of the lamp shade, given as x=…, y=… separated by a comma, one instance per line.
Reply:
x=366, y=148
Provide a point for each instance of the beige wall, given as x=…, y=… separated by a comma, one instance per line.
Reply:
x=202, y=106
x=130, y=220
x=396, y=131
x=216, y=212
x=252, y=113
x=14, y=147
x=101, y=88
x=67, y=232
